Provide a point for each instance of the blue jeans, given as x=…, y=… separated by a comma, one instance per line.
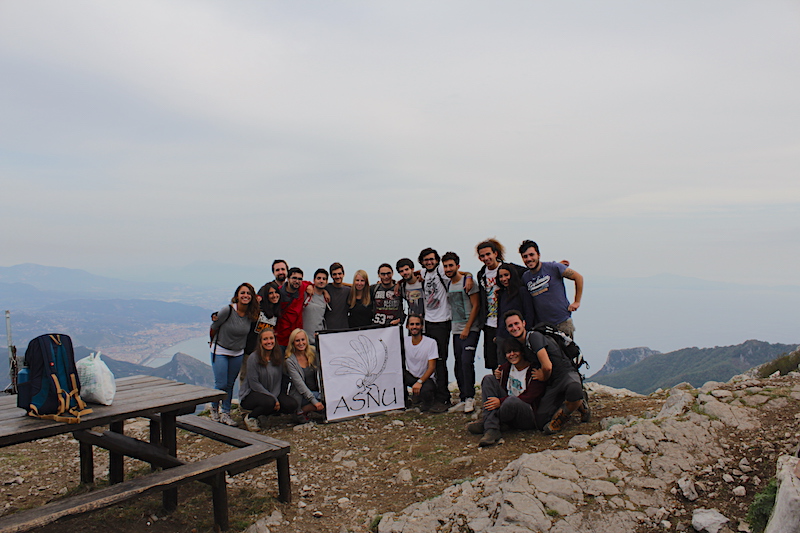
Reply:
x=464, y=352
x=226, y=370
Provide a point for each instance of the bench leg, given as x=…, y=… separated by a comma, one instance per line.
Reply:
x=87, y=463
x=116, y=461
x=169, y=438
x=219, y=495
x=155, y=437
x=284, y=482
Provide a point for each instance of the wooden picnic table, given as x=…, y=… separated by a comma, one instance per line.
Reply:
x=167, y=404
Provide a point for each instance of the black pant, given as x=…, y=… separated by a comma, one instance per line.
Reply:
x=259, y=404
x=440, y=332
x=425, y=394
x=489, y=347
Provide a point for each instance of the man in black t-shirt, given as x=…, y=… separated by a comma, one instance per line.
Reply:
x=564, y=393
x=336, y=315
x=386, y=302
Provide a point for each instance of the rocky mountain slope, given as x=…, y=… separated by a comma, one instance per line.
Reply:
x=693, y=365
x=692, y=466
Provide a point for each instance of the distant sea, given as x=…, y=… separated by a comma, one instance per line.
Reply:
x=198, y=348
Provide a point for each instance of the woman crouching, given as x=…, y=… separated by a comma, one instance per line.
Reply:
x=301, y=364
x=263, y=391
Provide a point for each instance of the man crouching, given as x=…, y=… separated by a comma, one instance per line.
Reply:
x=509, y=395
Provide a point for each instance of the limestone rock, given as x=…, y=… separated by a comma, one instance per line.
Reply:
x=676, y=404
x=686, y=484
x=708, y=520
x=787, y=501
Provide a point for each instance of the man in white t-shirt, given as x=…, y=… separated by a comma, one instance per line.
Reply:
x=421, y=357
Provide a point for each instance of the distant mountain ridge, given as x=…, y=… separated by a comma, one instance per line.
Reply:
x=693, y=365
x=30, y=286
x=619, y=359
x=181, y=367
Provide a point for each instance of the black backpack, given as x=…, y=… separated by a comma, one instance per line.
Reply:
x=52, y=390
x=567, y=346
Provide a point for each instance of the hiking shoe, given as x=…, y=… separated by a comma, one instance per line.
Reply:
x=476, y=428
x=585, y=411
x=469, y=405
x=226, y=419
x=251, y=423
x=301, y=418
x=557, y=422
x=438, y=408
x=214, y=410
x=490, y=438
x=263, y=421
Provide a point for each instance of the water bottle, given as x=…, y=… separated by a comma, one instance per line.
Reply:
x=22, y=377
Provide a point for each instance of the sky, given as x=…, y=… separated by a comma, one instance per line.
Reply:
x=632, y=138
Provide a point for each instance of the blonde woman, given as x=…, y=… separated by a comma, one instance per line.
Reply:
x=359, y=303
x=301, y=364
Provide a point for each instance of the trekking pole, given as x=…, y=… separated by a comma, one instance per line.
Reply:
x=12, y=357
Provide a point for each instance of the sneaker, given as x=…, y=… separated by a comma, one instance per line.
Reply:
x=214, y=409
x=301, y=418
x=490, y=438
x=557, y=422
x=476, y=428
x=226, y=419
x=469, y=405
x=457, y=408
x=251, y=423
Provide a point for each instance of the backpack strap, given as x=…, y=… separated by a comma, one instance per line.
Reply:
x=216, y=335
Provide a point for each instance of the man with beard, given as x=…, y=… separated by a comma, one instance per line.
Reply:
x=545, y=284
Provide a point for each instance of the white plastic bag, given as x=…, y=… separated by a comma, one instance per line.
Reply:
x=97, y=381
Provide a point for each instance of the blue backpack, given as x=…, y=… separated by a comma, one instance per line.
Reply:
x=52, y=389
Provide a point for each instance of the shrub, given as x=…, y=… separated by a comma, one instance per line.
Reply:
x=761, y=508
x=784, y=364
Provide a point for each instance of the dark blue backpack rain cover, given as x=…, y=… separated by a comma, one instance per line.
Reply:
x=53, y=389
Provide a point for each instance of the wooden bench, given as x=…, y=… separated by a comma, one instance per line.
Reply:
x=161, y=400
x=253, y=450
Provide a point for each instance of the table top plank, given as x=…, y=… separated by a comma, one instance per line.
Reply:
x=150, y=396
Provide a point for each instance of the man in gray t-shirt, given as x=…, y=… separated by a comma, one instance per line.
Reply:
x=464, y=307
x=336, y=315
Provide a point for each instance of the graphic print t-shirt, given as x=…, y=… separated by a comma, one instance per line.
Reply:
x=437, y=308
x=387, y=304
x=413, y=295
x=546, y=287
x=516, y=381
x=490, y=286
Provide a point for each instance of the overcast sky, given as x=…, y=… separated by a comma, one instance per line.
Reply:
x=633, y=138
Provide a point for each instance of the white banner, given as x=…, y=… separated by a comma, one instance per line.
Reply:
x=362, y=371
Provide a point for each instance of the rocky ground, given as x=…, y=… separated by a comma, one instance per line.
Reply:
x=644, y=473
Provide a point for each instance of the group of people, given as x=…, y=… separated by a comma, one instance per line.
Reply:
x=532, y=384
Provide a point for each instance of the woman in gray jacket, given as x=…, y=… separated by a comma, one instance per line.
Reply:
x=301, y=363
x=263, y=391
x=230, y=330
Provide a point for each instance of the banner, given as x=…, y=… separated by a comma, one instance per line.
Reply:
x=362, y=371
